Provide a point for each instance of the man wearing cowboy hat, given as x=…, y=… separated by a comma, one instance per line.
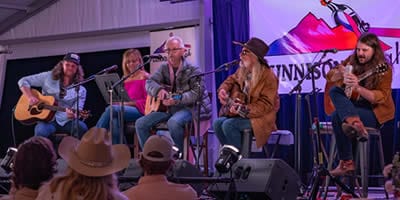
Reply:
x=249, y=97
x=156, y=159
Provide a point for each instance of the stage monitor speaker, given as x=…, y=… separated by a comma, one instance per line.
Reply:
x=259, y=179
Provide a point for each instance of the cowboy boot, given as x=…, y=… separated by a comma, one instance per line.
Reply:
x=344, y=167
x=353, y=127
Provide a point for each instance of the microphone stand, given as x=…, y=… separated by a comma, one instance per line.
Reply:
x=122, y=104
x=319, y=170
x=77, y=88
x=197, y=77
x=297, y=126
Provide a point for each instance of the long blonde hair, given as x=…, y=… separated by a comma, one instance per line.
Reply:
x=256, y=75
x=128, y=52
x=75, y=185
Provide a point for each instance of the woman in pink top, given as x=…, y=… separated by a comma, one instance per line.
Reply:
x=134, y=86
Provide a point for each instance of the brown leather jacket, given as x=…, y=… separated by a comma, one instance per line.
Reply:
x=263, y=103
x=383, y=105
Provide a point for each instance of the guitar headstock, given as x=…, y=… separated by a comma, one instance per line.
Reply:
x=381, y=68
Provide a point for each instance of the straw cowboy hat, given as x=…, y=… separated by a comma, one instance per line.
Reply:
x=94, y=155
x=257, y=46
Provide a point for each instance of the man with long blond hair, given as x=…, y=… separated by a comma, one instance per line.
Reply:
x=249, y=97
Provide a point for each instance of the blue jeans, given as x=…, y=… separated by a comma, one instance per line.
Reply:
x=346, y=108
x=130, y=115
x=176, y=125
x=229, y=130
x=45, y=129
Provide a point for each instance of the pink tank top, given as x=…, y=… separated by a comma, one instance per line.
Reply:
x=137, y=92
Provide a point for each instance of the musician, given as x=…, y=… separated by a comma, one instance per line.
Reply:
x=180, y=100
x=250, y=97
x=373, y=107
x=135, y=87
x=67, y=72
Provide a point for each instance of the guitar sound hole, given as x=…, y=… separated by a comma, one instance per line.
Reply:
x=35, y=110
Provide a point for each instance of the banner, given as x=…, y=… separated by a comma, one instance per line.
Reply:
x=188, y=35
x=297, y=32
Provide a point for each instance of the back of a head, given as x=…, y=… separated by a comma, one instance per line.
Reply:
x=73, y=185
x=34, y=163
x=157, y=155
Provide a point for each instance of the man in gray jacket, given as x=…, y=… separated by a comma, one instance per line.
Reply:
x=178, y=92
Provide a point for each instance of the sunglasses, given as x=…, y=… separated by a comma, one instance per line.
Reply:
x=245, y=52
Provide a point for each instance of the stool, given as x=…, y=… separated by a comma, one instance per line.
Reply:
x=57, y=137
x=362, y=157
x=363, y=148
x=280, y=137
x=130, y=134
x=190, y=144
x=247, y=140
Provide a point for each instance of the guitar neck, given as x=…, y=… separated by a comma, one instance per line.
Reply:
x=365, y=75
x=241, y=110
x=55, y=108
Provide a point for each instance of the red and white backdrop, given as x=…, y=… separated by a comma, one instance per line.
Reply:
x=297, y=31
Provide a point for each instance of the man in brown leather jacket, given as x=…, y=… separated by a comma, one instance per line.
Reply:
x=368, y=101
x=249, y=97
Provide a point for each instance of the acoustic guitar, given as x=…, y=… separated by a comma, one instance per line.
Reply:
x=225, y=109
x=42, y=111
x=154, y=104
x=350, y=93
x=236, y=97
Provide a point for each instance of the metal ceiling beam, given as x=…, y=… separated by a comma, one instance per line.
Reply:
x=21, y=16
x=152, y=27
x=12, y=6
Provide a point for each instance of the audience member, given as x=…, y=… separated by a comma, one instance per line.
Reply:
x=156, y=159
x=34, y=164
x=92, y=163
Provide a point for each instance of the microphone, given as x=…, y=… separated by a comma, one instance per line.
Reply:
x=108, y=69
x=334, y=50
x=228, y=64
x=233, y=62
x=6, y=51
x=155, y=56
